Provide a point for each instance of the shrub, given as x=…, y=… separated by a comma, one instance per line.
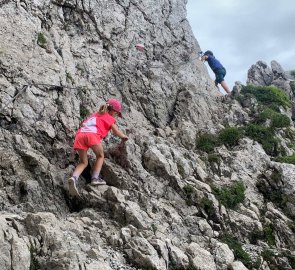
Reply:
x=188, y=189
x=34, y=264
x=291, y=260
x=269, y=234
x=292, y=72
x=292, y=85
x=230, y=196
x=267, y=95
x=278, y=120
x=272, y=191
x=83, y=111
x=264, y=136
x=154, y=228
x=268, y=255
x=234, y=244
x=230, y=136
x=208, y=207
x=41, y=40
x=286, y=159
x=69, y=78
x=213, y=158
x=206, y=142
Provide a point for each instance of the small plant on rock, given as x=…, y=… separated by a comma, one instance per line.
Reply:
x=267, y=95
x=189, y=191
x=83, y=111
x=269, y=234
x=230, y=196
x=277, y=119
x=292, y=85
x=264, y=136
x=213, y=158
x=154, y=228
x=41, y=40
x=230, y=136
x=208, y=207
x=235, y=245
x=286, y=159
x=69, y=78
x=207, y=142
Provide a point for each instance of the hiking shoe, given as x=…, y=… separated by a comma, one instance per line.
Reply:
x=72, y=187
x=97, y=181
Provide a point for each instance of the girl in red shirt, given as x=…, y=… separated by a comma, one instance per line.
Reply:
x=90, y=135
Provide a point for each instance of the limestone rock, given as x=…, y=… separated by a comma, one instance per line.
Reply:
x=200, y=258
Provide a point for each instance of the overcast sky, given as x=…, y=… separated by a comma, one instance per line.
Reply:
x=242, y=32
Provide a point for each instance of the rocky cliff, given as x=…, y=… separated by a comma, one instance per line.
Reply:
x=195, y=187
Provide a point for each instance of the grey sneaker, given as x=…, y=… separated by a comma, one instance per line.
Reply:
x=72, y=187
x=97, y=181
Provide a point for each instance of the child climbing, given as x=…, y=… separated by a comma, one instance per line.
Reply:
x=217, y=68
x=90, y=135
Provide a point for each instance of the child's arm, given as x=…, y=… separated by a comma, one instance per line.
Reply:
x=118, y=133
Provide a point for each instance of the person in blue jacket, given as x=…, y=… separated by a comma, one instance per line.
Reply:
x=217, y=68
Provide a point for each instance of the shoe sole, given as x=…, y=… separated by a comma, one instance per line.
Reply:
x=98, y=184
x=72, y=188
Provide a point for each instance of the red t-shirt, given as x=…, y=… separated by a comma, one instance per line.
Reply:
x=98, y=123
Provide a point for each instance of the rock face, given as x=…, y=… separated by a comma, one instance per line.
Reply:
x=261, y=74
x=59, y=61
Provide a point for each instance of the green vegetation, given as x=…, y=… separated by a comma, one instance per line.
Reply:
x=264, y=136
x=208, y=207
x=230, y=136
x=256, y=235
x=291, y=225
x=213, y=158
x=181, y=170
x=269, y=234
x=154, y=228
x=191, y=267
x=257, y=263
x=41, y=40
x=292, y=85
x=270, y=99
x=292, y=72
x=291, y=260
x=207, y=142
x=270, y=257
x=289, y=134
x=267, y=95
x=272, y=191
x=278, y=120
x=83, y=111
x=230, y=196
x=188, y=190
x=69, y=78
x=286, y=159
x=235, y=245
x=266, y=235
x=34, y=264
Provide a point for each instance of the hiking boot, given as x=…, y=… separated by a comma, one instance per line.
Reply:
x=72, y=187
x=97, y=181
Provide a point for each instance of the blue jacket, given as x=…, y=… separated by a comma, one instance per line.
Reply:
x=214, y=63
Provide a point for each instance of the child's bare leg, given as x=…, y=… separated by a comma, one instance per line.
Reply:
x=225, y=87
x=83, y=162
x=98, y=151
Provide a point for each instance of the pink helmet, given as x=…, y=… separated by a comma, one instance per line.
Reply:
x=116, y=105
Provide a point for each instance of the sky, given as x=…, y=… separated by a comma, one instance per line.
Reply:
x=242, y=32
